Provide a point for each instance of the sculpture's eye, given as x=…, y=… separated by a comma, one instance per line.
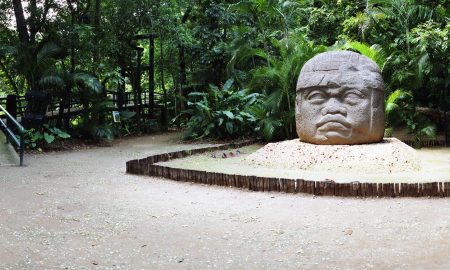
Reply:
x=317, y=96
x=353, y=96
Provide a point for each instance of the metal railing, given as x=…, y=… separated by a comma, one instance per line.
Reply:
x=10, y=136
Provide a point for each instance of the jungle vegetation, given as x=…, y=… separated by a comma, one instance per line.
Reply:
x=223, y=68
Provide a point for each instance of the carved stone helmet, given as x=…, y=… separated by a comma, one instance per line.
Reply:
x=340, y=100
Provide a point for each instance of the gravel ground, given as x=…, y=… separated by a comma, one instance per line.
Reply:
x=7, y=154
x=79, y=210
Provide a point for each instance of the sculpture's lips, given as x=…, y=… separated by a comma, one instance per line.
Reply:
x=332, y=122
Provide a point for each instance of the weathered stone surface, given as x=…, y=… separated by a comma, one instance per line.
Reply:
x=340, y=100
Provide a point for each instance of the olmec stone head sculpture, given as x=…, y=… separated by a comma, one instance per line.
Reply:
x=340, y=100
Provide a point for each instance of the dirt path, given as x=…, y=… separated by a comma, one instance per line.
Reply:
x=7, y=154
x=79, y=210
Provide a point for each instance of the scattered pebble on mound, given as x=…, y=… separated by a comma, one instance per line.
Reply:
x=390, y=155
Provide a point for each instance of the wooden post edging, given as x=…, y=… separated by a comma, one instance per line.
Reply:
x=147, y=166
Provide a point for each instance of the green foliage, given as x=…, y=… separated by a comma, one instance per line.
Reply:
x=323, y=25
x=261, y=44
x=374, y=52
x=357, y=27
x=277, y=81
x=38, y=63
x=221, y=112
x=401, y=110
x=48, y=135
x=90, y=93
x=431, y=52
x=124, y=128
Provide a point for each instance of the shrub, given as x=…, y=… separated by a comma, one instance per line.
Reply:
x=221, y=112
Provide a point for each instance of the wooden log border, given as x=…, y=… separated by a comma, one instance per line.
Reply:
x=148, y=166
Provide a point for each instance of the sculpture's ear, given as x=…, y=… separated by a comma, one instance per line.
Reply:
x=377, y=98
x=377, y=113
x=298, y=101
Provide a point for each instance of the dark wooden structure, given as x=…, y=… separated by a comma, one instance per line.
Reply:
x=45, y=107
x=150, y=68
x=135, y=73
x=35, y=113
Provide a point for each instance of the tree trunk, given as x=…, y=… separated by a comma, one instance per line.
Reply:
x=163, y=84
x=182, y=79
x=21, y=24
x=32, y=20
x=97, y=17
x=182, y=65
x=72, y=46
x=151, y=76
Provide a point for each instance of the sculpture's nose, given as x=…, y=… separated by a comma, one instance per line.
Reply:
x=334, y=106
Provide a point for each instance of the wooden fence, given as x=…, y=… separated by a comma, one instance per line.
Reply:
x=118, y=101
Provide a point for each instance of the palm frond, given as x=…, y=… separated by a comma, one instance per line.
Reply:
x=429, y=131
x=398, y=95
x=374, y=52
x=273, y=101
x=48, y=51
x=45, y=64
x=89, y=82
x=421, y=65
x=52, y=82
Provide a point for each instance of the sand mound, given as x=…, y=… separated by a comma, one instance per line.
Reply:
x=390, y=155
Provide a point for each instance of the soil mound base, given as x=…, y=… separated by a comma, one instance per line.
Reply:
x=390, y=155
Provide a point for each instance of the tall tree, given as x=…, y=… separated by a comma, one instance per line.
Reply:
x=97, y=19
x=21, y=24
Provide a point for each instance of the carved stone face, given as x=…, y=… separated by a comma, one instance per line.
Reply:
x=340, y=100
